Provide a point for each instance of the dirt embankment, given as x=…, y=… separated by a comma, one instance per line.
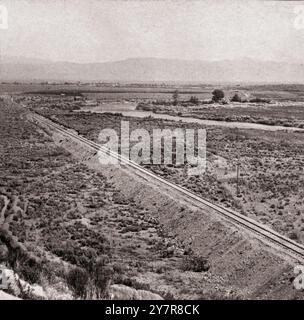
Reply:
x=239, y=262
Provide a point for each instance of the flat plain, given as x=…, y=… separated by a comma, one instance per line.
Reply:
x=63, y=214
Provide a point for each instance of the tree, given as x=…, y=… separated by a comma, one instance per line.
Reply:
x=175, y=97
x=217, y=95
x=236, y=98
x=194, y=100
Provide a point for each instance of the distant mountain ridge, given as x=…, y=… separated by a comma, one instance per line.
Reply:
x=152, y=69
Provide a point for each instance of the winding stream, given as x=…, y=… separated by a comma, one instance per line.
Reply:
x=129, y=110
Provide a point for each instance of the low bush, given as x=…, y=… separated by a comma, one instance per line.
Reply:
x=195, y=263
x=101, y=276
x=259, y=100
x=77, y=280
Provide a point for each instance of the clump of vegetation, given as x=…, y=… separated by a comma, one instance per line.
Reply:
x=175, y=97
x=30, y=270
x=218, y=95
x=259, y=100
x=293, y=236
x=24, y=263
x=195, y=263
x=101, y=276
x=77, y=280
x=3, y=252
x=194, y=100
x=236, y=98
x=93, y=282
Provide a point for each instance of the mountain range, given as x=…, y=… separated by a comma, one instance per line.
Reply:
x=152, y=69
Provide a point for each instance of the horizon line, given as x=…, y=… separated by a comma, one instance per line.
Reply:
x=147, y=58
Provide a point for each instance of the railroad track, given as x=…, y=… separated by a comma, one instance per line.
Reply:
x=284, y=244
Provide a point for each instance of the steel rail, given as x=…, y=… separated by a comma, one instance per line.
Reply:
x=296, y=249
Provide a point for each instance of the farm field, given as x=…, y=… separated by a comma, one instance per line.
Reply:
x=152, y=91
x=109, y=91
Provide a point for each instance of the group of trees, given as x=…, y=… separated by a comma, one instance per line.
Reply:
x=218, y=95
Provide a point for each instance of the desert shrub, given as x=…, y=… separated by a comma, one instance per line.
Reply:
x=26, y=265
x=133, y=283
x=77, y=280
x=145, y=106
x=293, y=236
x=30, y=271
x=236, y=98
x=195, y=263
x=119, y=268
x=3, y=252
x=259, y=100
x=101, y=276
x=168, y=296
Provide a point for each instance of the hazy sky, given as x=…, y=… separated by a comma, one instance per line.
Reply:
x=106, y=30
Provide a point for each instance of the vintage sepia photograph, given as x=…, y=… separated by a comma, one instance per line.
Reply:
x=151, y=150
